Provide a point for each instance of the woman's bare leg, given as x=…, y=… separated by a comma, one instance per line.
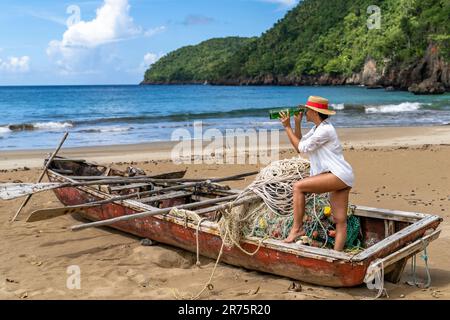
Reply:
x=322, y=183
x=339, y=205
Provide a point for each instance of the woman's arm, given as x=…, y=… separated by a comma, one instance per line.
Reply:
x=298, y=125
x=293, y=137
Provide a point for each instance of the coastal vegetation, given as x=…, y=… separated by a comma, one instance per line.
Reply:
x=197, y=63
x=326, y=42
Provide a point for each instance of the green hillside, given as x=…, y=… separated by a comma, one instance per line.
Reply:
x=318, y=38
x=196, y=63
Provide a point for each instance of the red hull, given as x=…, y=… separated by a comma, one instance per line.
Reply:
x=394, y=236
x=321, y=272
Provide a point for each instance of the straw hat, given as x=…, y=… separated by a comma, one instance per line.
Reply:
x=319, y=104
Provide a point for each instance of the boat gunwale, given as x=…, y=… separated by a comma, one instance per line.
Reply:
x=421, y=220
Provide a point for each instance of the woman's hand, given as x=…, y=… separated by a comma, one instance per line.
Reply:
x=285, y=119
x=298, y=118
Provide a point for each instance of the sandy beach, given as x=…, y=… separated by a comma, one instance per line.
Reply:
x=403, y=168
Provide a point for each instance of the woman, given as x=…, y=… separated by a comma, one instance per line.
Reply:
x=329, y=171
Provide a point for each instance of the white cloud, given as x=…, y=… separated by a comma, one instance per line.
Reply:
x=149, y=59
x=15, y=64
x=47, y=16
x=152, y=32
x=80, y=41
x=284, y=3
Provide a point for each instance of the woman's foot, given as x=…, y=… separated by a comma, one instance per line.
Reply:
x=294, y=234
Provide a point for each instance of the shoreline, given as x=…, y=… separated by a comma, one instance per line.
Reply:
x=355, y=138
x=388, y=88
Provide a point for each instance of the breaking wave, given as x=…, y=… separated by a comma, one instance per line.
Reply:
x=389, y=108
x=4, y=130
x=107, y=130
x=36, y=126
x=338, y=106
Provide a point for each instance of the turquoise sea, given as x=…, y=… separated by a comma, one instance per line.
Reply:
x=36, y=116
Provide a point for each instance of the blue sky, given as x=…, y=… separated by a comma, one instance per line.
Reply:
x=114, y=41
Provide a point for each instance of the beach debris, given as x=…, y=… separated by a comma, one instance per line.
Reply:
x=11, y=280
x=133, y=172
x=21, y=293
x=36, y=263
x=148, y=243
x=435, y=294
x=295, y=287
x=256, y=291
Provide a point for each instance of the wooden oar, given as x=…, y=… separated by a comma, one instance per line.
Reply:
x=24, y=203
x=9, y=191
x=169, y=175
x=145, y=214
x=45, y=214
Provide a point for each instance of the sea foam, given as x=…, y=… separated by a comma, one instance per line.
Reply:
x=52, y=125
x=338, y=106
x=4, y=130
x=389, y=108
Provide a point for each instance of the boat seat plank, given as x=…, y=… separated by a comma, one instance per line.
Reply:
x=95, y=177
x=68, y=160
x=167, y=196
x=63, y=171
x=130, y=186
x=394, y=215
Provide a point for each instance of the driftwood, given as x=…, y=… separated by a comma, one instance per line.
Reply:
x=24, y=203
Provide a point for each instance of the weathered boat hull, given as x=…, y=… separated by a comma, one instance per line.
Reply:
x=322, y=272
x=304, y=263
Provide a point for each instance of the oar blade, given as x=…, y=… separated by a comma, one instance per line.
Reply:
x=9, y=191
x=46, y=214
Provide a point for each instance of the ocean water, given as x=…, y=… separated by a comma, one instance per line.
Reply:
x=36, y=117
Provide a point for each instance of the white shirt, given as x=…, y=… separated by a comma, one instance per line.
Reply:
x=325, y=153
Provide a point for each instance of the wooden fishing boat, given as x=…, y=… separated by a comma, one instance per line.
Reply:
x=390, y=237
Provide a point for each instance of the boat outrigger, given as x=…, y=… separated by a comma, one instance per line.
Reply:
x=389, y=237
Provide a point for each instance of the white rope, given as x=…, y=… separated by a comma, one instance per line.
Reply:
x=377, y=280
x=196, y=238
x=274, y=184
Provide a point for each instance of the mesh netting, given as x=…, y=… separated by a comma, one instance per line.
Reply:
x=272, y=215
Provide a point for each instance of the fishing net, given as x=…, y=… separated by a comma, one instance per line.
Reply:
x=272, y=215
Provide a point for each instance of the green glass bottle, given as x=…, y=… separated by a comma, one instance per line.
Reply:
x=275, y=114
